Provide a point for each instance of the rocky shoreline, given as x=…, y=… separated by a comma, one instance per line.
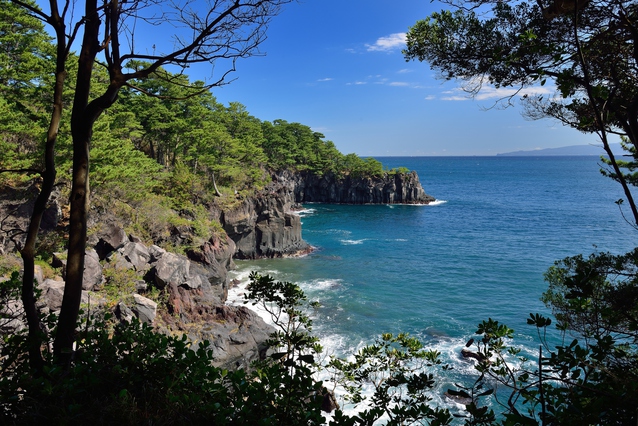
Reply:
x=196, y=284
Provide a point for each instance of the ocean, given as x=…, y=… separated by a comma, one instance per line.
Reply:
x=436, y=271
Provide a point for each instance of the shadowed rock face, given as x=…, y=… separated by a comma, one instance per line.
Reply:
x=264, y=226
x=16, y=207
x=389, y=189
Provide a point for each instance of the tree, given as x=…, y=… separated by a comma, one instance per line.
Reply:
x=216, y=31
x=30, y=74
x=588, y=49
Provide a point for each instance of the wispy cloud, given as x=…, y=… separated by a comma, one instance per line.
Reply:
x=387, y=43
x=492, y=93
x=326, y=79
x=379, y=80
x=404, y=71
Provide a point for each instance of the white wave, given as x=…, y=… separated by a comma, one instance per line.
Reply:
x=463, y=371
x=321, y=284
x=304, y=212
x=433, y=203
x=352, y=242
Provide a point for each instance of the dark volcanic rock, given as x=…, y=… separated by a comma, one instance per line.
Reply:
x=237, y=336
x=264, y=226
x=144, y=308
x=92, y=275
x=110, y=237
x=396, y=188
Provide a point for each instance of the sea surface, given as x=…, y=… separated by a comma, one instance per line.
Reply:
x=435, y=271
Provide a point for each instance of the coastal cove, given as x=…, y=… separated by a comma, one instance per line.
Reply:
x=437, y=270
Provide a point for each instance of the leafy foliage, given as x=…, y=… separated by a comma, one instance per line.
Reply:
x=588, y=379
x=395, y=367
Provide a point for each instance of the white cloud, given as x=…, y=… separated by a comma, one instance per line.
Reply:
x=492, y=93
x=430, y=97
x=388, y=43
x=399, y=84
x=326, y=79
x=404, y=71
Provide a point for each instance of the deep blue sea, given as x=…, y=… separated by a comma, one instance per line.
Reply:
x=437, y=270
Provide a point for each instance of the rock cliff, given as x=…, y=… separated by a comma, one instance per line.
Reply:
x=265, y=226
x=392, y=188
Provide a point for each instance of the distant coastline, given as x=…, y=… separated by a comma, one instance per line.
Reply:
x=565, y=150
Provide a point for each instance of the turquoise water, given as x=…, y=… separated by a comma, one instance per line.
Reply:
x=436, y=271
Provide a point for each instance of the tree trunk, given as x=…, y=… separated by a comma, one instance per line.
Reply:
x=81, y=128
x=35, y=337
x=217, y=193
x=82, y=119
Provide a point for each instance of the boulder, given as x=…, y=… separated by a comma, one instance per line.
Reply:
x=136, y=255
x=92, y=275
x=52, y=293
x=156, y=253
x=329, y=402
x=110, y=237
x=171, y=269
x=237, y=336
x=144, y=308
x=11, y=317
x=124, y=313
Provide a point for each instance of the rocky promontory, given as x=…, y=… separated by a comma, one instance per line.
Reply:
x=391, y=188
x=265, y=225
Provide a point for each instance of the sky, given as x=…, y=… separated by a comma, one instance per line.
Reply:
x=336, y=66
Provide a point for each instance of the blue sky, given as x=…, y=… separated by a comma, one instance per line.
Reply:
x=336, y=66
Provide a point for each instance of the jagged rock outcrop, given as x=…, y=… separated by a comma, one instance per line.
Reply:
x=265, y=226
x=397, y=188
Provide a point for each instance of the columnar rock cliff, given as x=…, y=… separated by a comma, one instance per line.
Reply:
x=390, y=189
x=264, y=225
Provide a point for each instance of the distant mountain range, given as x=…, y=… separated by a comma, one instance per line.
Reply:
x=565, y=150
